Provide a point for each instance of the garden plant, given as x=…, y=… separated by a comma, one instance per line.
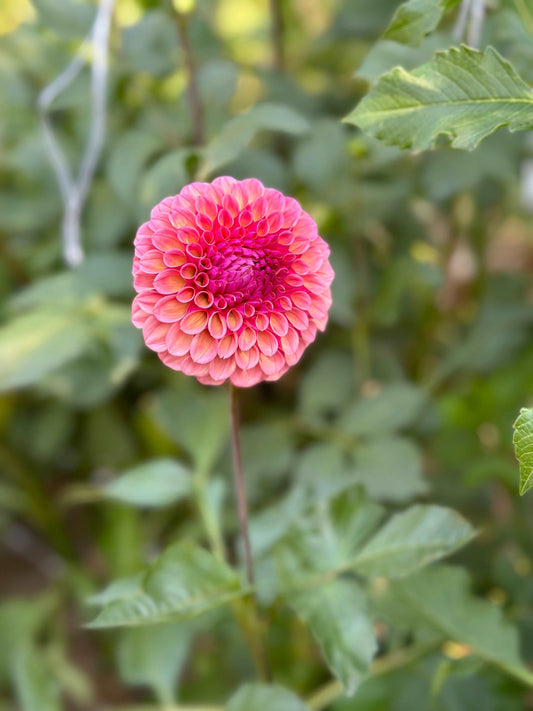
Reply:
x=284, y=465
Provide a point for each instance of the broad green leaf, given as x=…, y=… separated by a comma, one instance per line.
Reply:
x=197, y=420
x=260, y=697
x=238, y=133
x=128, y=157
x=37, y=343
x=412, y=109
x=412, y=539
x=395, y=407
x=336, y=614
x=21, y=621
x=415, y=19
x=183, y=582
x=441, y=598
x=154, y=656
x=151, y=45
x=327, y=385
x=70, y=18
x=390, y=468
x=157, y=482
x=106, y=273
x=167, y=176
x=523, y=444
x=36, y=688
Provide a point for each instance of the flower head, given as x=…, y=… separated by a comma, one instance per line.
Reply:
x=232, y=281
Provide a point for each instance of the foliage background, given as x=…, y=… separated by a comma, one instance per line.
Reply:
x=410, y=394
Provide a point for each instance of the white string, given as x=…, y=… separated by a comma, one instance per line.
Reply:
x=477, y=15
x=471, y=15
x=74, y=190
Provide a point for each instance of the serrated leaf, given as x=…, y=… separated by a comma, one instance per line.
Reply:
x=523, y=444
x=461, y=93
x=415, y=19
x=158, y=482
x=342, y=538
x=259, y=697
x=441, y=597
x=336, y=614
x=412, y=539
x=183, y=582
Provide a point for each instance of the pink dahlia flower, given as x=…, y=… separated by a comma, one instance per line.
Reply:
x=232, y=281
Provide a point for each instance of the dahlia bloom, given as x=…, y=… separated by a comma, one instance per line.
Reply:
x=232, y=282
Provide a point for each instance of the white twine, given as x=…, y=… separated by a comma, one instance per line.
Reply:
x=470, y=22
x=74, y=189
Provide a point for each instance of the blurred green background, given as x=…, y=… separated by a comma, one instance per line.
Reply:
x=411, y=392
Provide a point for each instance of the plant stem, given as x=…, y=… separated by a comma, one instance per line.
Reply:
x=195, y=103
x=238, y=478
x=277, y=32
x=247, y=615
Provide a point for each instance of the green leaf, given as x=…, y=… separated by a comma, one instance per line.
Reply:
x=196, y=420
x=236, y=135
x=523, y=444
x=395, y=407
x=390, y=469
x=106, y=273
x=167, y=176
x=69, y=18
x=461, y=93
x=36, y=688
x=336, y=614
x=128, y=157
x=340, y=537
x=39, y=342
x=151, y=45
x=441, y=597
x=157, y=482
x=154, y=656
x=260, y=697
x=183, y=582
x=412, y=539
x=415, y=19
x=327, y=385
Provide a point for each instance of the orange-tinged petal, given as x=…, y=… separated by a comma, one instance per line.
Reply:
x=221, y=368
x=178, y=343
x=194, y=322
x=279, y=324
x=234, y=320
x=203, y=347
x=267, y=342
x=168, y=281
x=217, y=326
x=247, y=338
x=169, y=309
x=227, y=345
